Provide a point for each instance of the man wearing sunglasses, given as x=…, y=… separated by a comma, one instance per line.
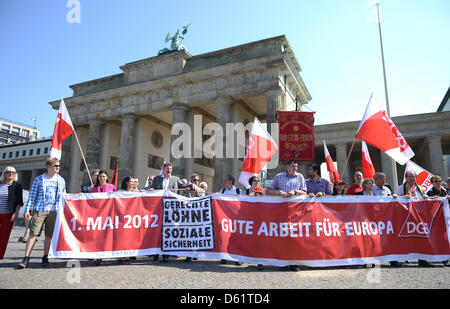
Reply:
x=45, y=198
x=438, y=189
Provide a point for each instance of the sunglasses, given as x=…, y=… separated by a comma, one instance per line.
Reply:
x=196, y=180
x=10, y=172
x=437, y=181
x=56, y=165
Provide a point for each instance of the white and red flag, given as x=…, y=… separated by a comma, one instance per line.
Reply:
x=63, y=129
x=261, y=147
x=377, y=129
x=334, y=175
x=368, y=169
x=423, y=179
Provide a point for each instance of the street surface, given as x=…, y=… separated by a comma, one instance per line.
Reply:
x=203, y=274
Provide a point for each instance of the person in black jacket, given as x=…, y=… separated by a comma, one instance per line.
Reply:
x=10, y=202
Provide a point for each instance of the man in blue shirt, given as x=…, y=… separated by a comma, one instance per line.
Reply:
x=316, y=185
x=45, y=198
x=288, y=183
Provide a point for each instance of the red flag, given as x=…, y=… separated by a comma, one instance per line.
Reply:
x=423, y=179
x=334, y=175
x=261, y=147
x=368, y=169
x=63, y=129
x=116, y=176
x=378, y=130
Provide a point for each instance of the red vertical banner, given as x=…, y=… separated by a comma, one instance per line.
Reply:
x=296, y=136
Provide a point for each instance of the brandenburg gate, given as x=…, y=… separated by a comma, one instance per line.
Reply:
x=127, y=117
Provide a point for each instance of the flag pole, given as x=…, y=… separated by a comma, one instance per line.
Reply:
x=348, y=158
x=79, y=147
x=392, y=163
x=382, y=61
x=82, y=155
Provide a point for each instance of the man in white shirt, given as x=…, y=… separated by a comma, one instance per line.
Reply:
x=410, y=188
x=229, y=186
x=230, y=189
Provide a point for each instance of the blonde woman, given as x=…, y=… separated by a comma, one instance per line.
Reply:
x=10, y=203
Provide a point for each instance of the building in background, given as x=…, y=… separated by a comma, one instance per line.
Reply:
x=28, y=158
x=428, y=135
x=15, y=132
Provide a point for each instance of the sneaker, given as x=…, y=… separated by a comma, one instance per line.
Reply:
x=24, y=263
x=294, y=268
x=423, y=263
x=188, y=259
x=260, y=267
x=223, y=262
x=395, y=264
x=45, y=262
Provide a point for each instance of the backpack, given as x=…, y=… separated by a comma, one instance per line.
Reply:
x=237, y=191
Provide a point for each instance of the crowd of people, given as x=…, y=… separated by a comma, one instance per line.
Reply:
x=45, y=196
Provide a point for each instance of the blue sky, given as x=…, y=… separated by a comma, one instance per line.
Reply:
x=335, y=44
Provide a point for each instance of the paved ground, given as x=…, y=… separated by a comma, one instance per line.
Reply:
x=204, y=274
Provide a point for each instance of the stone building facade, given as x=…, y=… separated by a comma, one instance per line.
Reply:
x=28, y=158
x=427, y=134
x=128, y=116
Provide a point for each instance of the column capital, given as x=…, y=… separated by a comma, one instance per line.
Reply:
x=274, y=92
x=129, y=117
x=223, y=100
x=95, y=120
x=339, y=144
x=179, y=105
x=433, y=138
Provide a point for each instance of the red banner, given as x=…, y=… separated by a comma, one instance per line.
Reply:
x=261, y=230
x=296, y=136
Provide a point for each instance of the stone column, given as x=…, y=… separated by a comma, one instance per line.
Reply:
x=436, y=156
x=389, y=167
x=34, y=174
x=93, y=147
x=179, y=115
x=341, y=158
x=127, y=146
x=104, y=147
x=222, y=165
x=66, y=157
x=274, y=101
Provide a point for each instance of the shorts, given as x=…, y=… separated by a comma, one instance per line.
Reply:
x=39, y=218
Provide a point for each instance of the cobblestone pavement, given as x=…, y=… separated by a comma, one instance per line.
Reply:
x=203, y=274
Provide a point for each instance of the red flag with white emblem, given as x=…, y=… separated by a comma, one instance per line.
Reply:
x=368, y=169
x=423, y=179
x=261, y=147
x=63, y=129
x=334, y=175
x=378, y=130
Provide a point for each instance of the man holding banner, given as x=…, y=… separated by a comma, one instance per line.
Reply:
x=288, y=183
